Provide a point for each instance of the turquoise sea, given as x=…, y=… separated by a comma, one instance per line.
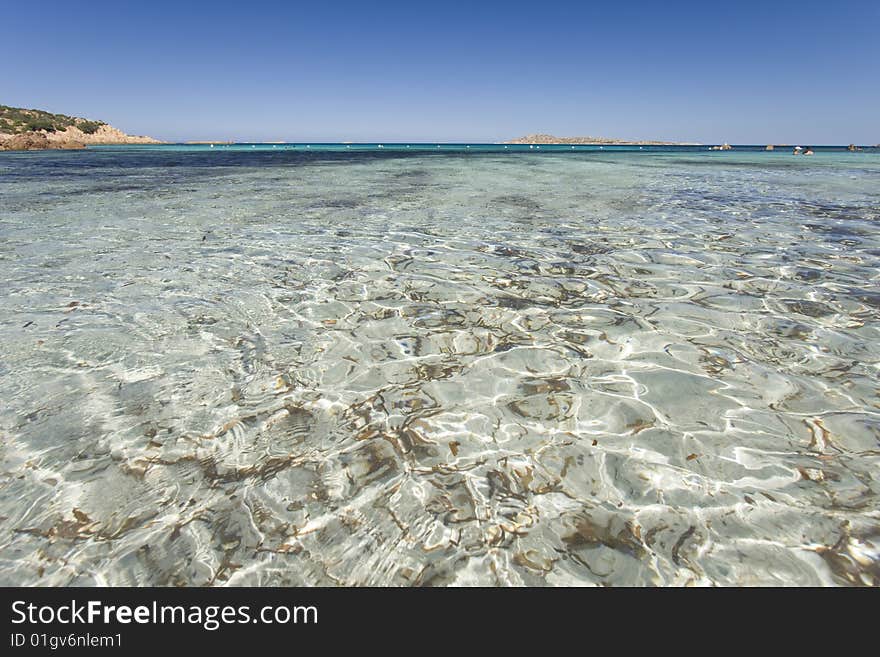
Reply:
x=453, y=364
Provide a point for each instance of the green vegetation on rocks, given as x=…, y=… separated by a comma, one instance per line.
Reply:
x=16, y=120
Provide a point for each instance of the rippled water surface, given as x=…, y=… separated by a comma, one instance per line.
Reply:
x=274, y=368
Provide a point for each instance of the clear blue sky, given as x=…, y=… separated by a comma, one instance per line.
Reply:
x=748, y=71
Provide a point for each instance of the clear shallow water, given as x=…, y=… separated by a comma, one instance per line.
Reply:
x=278, y=368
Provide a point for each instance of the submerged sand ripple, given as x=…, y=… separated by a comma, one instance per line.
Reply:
x=603, y=369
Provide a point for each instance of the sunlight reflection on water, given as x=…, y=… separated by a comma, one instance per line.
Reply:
x=270, y=369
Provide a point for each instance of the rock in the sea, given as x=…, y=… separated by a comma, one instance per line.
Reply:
x=769, y=147
x=27, y=141
x=71, y=144
x=35, y=141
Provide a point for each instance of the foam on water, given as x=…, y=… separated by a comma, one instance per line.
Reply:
x=278, y=368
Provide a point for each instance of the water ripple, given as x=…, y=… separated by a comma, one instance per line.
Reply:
x=440, y=370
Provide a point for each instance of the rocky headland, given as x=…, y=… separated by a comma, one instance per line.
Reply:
x=29, y=129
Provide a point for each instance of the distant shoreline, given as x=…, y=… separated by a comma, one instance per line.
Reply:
x=605, y=141
x=31, y=141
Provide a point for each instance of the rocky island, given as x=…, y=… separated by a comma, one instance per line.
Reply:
x=30, y=129
x=552, y=139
